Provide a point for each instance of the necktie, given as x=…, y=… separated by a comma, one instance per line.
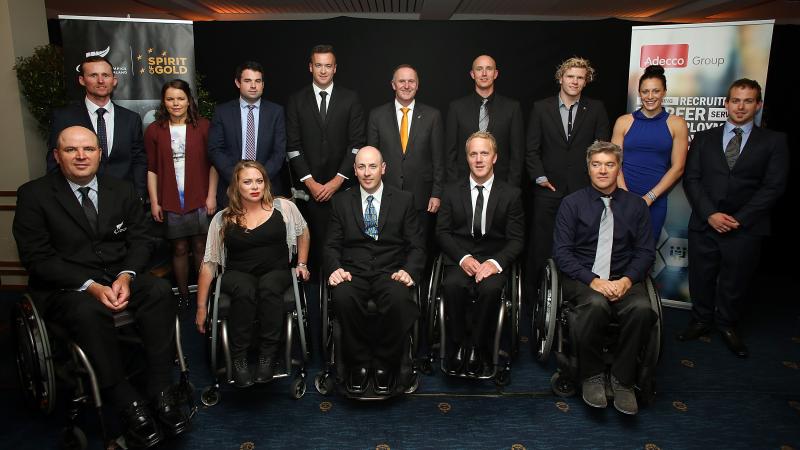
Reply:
x=250, y=143
x=483, y=116
x=101, y=131
x=404, y=129
x=88, y=207
x=371, y=219
x=605, y=239
x=569, y=121
x=323, y=111
x=734, y=147
x=477, y=215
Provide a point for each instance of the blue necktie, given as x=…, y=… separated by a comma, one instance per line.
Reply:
x=371, y=219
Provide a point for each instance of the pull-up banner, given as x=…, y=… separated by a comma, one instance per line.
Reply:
x=700, y=62
x=145, y=54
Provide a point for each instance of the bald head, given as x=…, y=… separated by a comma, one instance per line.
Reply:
x=78, y=154
x=369, y=168
x=484, y=72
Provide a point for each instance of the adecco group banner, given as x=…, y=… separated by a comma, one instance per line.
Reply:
x=145, y=53
x=700, y=62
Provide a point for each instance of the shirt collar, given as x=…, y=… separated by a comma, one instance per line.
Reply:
x=478, y=98
x=92, y=108
x=487, y=186
x=595, y=194
x=317, y=89
x=243, y=104
x=561, y=102
x=75, y=186
x=410, y=106
x=377, y=195
x=746, y=128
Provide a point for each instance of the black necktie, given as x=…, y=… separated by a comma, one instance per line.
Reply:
x=323, y=111
x=88, y=207
x=101, y=131
x=569, y=121
x=478, y=214
x=734, y=147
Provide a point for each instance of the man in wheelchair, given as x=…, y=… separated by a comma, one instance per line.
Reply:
x=481, y=231
x=603, y=245
x=374, y=252
x=82, y=238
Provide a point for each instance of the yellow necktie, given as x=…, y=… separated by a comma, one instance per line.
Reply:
x=404, y=129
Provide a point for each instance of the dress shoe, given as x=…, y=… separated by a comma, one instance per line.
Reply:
x=357, y=381
x=694, y=331
x=474, y=364
x=384, y=381
x=171, y=417
x=264, y=369
x=594, y=391
x=141, y=431
x=456, y=364
x=624, y=397
x=733, y=342
x=242, y=377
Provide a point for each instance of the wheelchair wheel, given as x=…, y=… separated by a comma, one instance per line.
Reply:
x=298, y=388
x=34, y=357
x=210, y=396
x=562, y=386
x=434, y=297
x=73, y=438
x=545, y=312
x=324, y=383
x=516, y=307
x=426, y=366
x=656, y=345
x=413, y=386
x=503, y=377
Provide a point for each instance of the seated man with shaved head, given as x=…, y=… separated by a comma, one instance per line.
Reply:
x=374, y=251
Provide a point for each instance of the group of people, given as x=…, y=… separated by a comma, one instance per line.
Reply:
x=419, y=183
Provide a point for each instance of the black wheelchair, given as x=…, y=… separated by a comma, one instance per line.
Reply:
x=332, y=375
x=46, y=357
x=552, y=324
x=218, y=349
x=508, y=316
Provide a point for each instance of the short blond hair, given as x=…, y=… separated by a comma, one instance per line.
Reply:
x=482, y=135
x=603, y=147
x=576, y=62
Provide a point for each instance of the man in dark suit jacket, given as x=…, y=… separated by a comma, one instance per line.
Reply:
x=124, y=156
x=734, y=175
x=325, y=129
x=481, y=231
x=248, y=127
x=83, y=241
x=561, y=128
x=503, y=118
x=374, y=251
x=410, y=136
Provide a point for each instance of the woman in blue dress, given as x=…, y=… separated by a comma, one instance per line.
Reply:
x=654, y=144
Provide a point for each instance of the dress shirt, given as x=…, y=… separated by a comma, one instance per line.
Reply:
x=577, y=228
x=563, y=109
x=108, y=117
x=728, y=134
x=376, y=200
x=473, y=193
x=399, y=114
x=245, y=110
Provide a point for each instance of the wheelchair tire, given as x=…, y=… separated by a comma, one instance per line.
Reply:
x=413, y=386
x=298, y=388
x=210, y=396
x=426, y=366
x=657, y=334
x=324, y=383
x=545, y=313
x=562, y=386
x=433, y=292
x=34, y=359
x=73, y=438
x=516, y=308
x=503, y=377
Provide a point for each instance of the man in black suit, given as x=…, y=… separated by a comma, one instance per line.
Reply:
x=119, y=129
x=561, y=128
x=485, y=110
x=481, y=231
x=374, y=251
x=734, y=176
x=83, y=241
x=248, y=127
x=410, y=136
x=325, y=129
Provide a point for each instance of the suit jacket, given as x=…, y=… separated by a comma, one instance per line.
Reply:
x=505, y=124
x=748, y=191
x=399, y=246
x=57, y=245
x=505, y=224
x=323, y=149
x=127, y=160
x=549, y=152
x=421, y=169
x=225, y=142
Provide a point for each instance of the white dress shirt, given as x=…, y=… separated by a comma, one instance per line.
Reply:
x=108, y=117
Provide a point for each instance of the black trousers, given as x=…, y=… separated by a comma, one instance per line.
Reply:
x=459, y=291
x=540, y=238
x=317, y=216
x=593, y=315
x=255, y=297
x=91, y=325
x=374, y=339
x=721, y=267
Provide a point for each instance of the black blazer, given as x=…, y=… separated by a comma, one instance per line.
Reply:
x=505, y=224
x=324, y=149
x=57, y=245
x=421, y=169
x=225, y=142
x=748, y=191
x=505, y=124
x=550, y=154
x=399, y=246
x=127, y=161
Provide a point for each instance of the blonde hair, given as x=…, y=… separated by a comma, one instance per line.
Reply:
x=576, y=63
x=481, y=135
x=234, y=214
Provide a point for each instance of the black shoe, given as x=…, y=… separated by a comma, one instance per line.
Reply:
x=733, y=342
x=264, y=370
x=694, y=331
x=141, y=431
x=455, y=365
x=474, y=364
x=242, y=377
x=171, y=417
x=357, y=381
x=384, y=381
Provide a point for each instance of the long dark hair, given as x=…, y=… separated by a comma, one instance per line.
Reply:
x=192, y=114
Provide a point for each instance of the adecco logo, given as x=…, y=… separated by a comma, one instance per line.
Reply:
x=669, y=55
